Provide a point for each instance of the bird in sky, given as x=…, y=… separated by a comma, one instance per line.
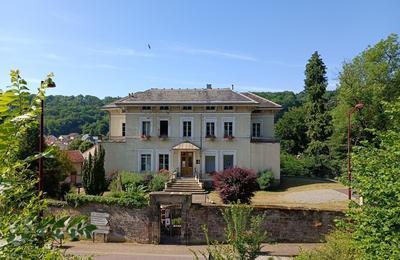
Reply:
x=148, y=45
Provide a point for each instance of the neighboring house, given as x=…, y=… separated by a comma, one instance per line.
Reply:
x=87, y=137
x=77, y=159
x=195, y=132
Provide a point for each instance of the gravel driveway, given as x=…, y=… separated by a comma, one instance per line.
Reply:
x=315, y=196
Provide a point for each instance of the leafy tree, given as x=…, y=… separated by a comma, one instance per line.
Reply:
x=24, y=234
x=317, y=119
x=287, y=99
x=85, y=145
x=291, y=129
x=75, y=144
x=370, y=78
x=93, y=173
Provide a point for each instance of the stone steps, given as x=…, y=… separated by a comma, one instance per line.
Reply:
x=184, y=185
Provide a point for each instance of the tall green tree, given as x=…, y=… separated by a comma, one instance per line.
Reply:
x=317, y=119
x=372, y=78
x=93, y=173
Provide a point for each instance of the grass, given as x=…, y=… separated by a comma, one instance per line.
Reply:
x=292, y=185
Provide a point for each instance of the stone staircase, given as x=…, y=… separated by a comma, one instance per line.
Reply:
x=185, y=185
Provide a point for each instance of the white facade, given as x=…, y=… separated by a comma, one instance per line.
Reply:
x=143, y=140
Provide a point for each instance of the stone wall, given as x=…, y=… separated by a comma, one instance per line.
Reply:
x=142, y=225
x=281, y=224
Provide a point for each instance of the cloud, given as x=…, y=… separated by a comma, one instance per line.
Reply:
x=217, y=53
x=121, y=52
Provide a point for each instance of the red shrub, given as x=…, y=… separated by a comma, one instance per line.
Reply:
x=236, y=184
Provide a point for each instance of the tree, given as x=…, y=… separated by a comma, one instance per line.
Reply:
x=317, y=119
x=372, y=77
x=74, y=144
x=291, y=129
x=85, y=145
x=93, y=173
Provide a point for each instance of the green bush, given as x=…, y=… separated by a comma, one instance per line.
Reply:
x=158, y=182
x=265, y=179
x=293, y=165
x=126, y=178
x=125, y=201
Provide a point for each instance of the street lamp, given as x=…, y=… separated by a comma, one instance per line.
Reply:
x=49, y=84
x=358, y=106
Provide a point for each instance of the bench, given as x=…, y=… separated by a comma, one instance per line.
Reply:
x=100, y=220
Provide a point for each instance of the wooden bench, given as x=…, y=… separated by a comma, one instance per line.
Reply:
x=100, y=220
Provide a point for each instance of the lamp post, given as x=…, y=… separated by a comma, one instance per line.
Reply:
x=49, y=84
x=358, y=106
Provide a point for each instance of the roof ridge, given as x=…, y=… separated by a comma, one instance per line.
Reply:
x=251, y=93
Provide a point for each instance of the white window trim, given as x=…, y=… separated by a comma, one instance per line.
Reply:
x=145, y=119
x=210, y=120
x=145, y=151
x=181, y=127
x=158, y=152
x=159, y=125
x=209, y=153
x=227, y=152
x=228, y=119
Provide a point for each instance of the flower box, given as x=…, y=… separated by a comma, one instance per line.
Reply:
x=229, y=137
x=145, y=137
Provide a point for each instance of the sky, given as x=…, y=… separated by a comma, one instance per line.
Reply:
x=101, y=48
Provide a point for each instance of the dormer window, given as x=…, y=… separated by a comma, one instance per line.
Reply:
x=229, y=108
x=187, y=108
x=146, y=107
x=210, y=108
x=164, y=108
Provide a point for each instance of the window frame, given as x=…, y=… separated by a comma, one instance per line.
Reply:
x=254, y=133
x=142, y=132
x=168, y=128
x=187, y=119
x=145, y=152
x=228, y=152
x=164, y=108
x=123, y=129
x=146, y=108
x=228, y=108
x=210, y=153
x=187, y=108
x=210, y=120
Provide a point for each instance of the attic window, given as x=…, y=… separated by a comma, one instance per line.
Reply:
x=164, y=107
x=146, y=107
x=228, y=107
x=187, y=108
x=210, y=108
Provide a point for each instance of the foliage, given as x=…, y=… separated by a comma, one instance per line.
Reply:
x=74, y=144
x=265, y=179
x=76, y=114
x=372, y=77
x=85, y=145
x=236, y=184
x=121, y=199
x=339, y=245
x=158, y=182
x=244, y=235
x=376, y=177
x=93, y=173
x=317, y=119
x=24, y=234
x=287, y=99
x=291, y=129
x=124, y=179
x=295, y=165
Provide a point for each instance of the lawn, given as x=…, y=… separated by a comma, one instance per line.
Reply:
x=300, y=192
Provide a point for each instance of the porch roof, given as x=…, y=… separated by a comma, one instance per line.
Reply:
x=185, y=146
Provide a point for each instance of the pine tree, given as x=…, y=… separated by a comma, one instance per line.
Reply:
x=318, y=120
x=93, y=173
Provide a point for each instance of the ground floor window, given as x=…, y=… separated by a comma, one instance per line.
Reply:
x=228, y=161
x=145, y=162
x=163, y=162
x=210, y=163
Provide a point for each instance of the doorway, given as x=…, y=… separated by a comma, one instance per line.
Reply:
x=187, y=164
x=171, y=224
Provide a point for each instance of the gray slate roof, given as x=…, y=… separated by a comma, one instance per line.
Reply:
x=192, y=97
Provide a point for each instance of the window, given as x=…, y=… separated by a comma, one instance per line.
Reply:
x=145, y=162
x=164, y=107
x=163, y=162
x=228, y=107
x=228, y=129
x=187, y=129
x=164, y=128
x=256, y=131
x=210, y=129
x=123, y=129
x=210, y=108
x=187, y=108
x=228, y=161
x=146, y=107
x=210, y=163
x=146, y=128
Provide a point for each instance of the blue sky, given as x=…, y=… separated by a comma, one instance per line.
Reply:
x=100, y=47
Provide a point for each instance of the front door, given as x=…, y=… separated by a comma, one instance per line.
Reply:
x=187, y=164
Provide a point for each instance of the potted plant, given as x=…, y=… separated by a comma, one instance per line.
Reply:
x=210, y=137
x=229, y=137
x=146, y=137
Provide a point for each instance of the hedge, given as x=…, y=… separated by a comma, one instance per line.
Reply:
x=78, y=200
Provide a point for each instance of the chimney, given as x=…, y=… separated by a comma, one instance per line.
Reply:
x=232, y=86
x=209, y=86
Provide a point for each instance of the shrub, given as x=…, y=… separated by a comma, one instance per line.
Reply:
x=124, y=179
x=158, y=182
x=122, y=200
x=265, y=179
x=236, y=184
x=293, y=165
